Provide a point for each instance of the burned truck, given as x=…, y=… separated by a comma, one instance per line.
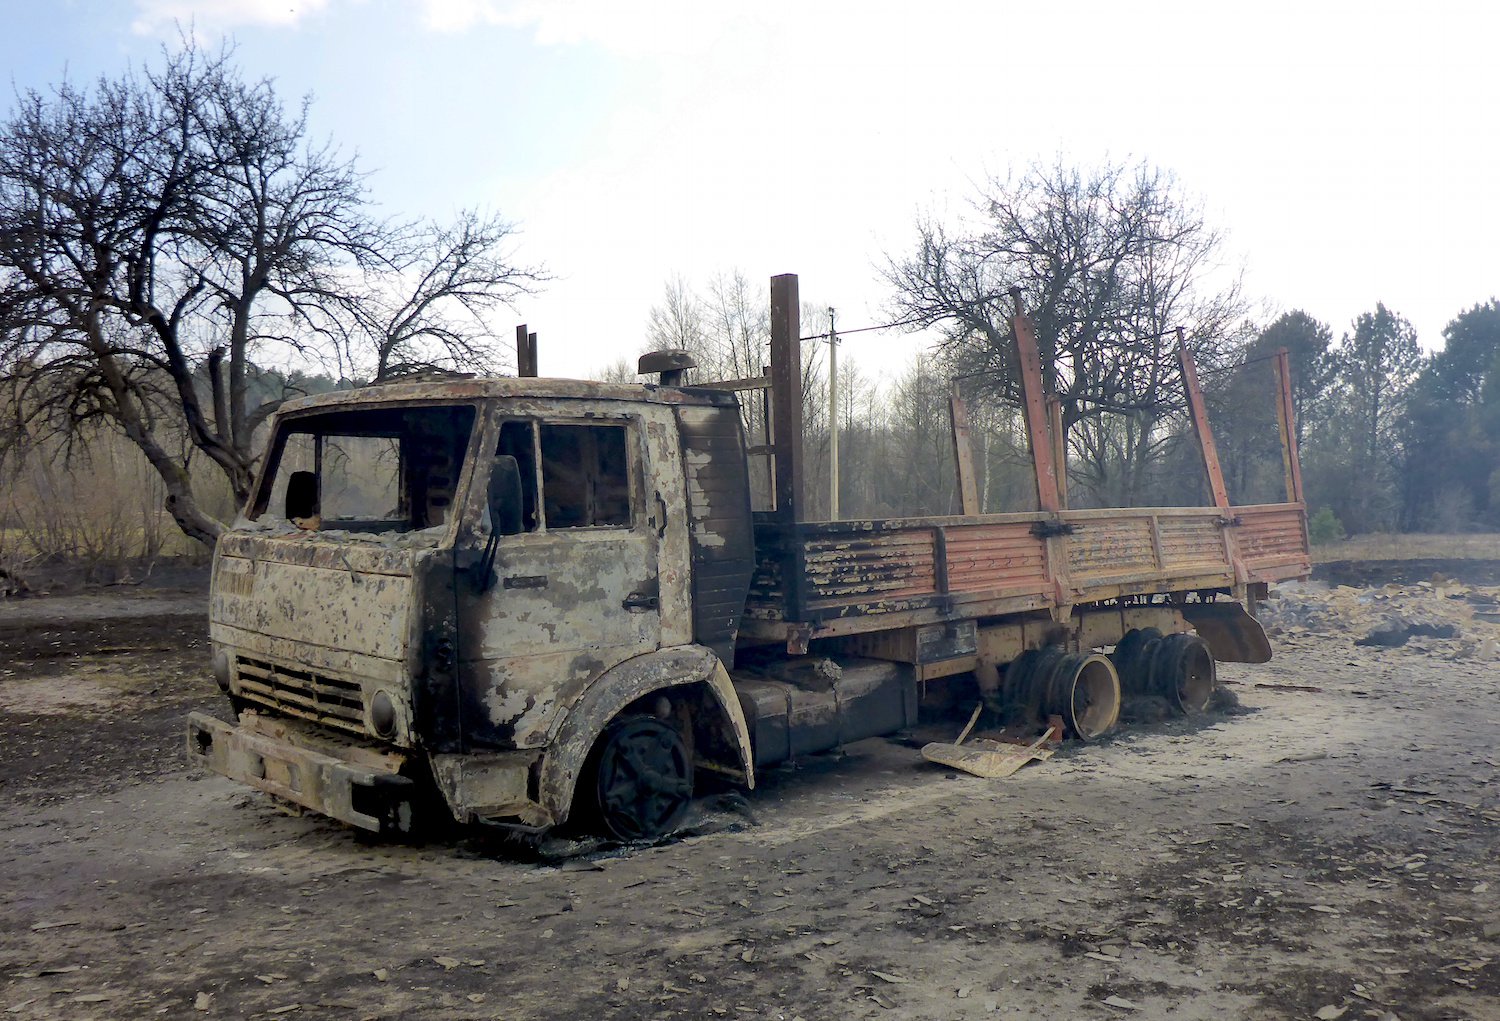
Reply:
x=530, y=602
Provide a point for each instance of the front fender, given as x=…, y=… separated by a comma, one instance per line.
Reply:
x=612, y=691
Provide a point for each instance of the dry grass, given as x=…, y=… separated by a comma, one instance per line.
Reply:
x=19, y=545
x=1410, y=547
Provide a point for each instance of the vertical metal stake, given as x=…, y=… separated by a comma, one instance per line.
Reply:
x=1286, y=421
x=1200, y=423
x=786, y=395
x=963, y=452
x=1059, y=447
x=525, y=352
x=1035, y=410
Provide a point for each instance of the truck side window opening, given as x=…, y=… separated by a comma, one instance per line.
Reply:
x=585, y=476
x=517, y=441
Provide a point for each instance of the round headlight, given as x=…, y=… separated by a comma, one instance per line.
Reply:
x=383, y=714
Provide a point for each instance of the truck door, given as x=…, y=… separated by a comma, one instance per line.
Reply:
x=576, y=590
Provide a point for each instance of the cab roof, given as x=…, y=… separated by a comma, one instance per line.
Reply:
x=481, y=387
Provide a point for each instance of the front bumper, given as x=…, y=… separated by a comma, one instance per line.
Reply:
x=362, y=795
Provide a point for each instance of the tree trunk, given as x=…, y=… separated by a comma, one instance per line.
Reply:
x=180, y=502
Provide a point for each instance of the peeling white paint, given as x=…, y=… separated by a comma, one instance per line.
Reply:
x=505, y=705
x=696, y=461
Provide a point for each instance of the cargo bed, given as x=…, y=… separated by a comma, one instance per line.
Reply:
x=842, y=577
x=816, y=579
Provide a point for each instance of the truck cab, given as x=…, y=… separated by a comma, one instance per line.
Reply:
x=491, y=588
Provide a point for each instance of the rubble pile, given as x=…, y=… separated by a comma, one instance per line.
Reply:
x=1441, y=618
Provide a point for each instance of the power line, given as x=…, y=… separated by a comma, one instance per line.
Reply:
x=864, y=329
x=1155, y=336
x=1238, y=365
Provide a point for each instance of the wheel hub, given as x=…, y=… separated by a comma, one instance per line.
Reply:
x=644, y=781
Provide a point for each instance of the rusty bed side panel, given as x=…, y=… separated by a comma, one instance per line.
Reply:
x=878, y=566
x=1144, y=543
x=1191, y=542
x=1144, y=551
x=1005, y=559
x=858, y=568
x=847, y=568
x=1271, y=541
x=1120, y=545
x=862, y=567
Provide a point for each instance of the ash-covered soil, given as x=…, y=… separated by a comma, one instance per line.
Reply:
x=93, y=691
x=1317, y=854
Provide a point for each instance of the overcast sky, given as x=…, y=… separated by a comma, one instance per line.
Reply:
x=1347, y=150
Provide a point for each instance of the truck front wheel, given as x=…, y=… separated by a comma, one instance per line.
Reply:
x=640, y=780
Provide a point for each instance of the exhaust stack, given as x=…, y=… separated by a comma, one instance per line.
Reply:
x=671, y=364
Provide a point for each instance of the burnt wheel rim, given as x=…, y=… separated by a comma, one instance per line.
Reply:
x=644, y=781
x=1197, y=682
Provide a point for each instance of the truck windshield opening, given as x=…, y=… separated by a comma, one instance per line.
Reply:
x=366, y=470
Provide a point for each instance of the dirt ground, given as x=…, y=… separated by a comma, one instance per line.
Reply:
x=1316, y=854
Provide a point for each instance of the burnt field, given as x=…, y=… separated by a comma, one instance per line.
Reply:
x=1326, y=850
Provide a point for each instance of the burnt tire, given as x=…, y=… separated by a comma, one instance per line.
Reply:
x=1132, y=658
x=639, y=781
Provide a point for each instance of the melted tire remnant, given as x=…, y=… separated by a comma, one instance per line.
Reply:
x=639, y=780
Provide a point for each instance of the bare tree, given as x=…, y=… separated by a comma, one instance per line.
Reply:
x=739, y=318
x=1109, y=262
x=424, y=304
x=163, y=232
x=678, y=323
x=726, y=327
x=918, y=470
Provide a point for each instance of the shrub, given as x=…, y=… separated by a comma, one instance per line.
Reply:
x=1324, y=527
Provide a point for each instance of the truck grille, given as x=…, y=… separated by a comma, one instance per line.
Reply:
x=312, y=696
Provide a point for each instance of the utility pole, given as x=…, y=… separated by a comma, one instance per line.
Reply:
x=833, y=419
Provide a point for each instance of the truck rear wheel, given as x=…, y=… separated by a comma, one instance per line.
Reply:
x=1178, y=668
x=640, y=780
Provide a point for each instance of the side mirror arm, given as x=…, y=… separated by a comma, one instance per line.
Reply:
x=483, y=572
